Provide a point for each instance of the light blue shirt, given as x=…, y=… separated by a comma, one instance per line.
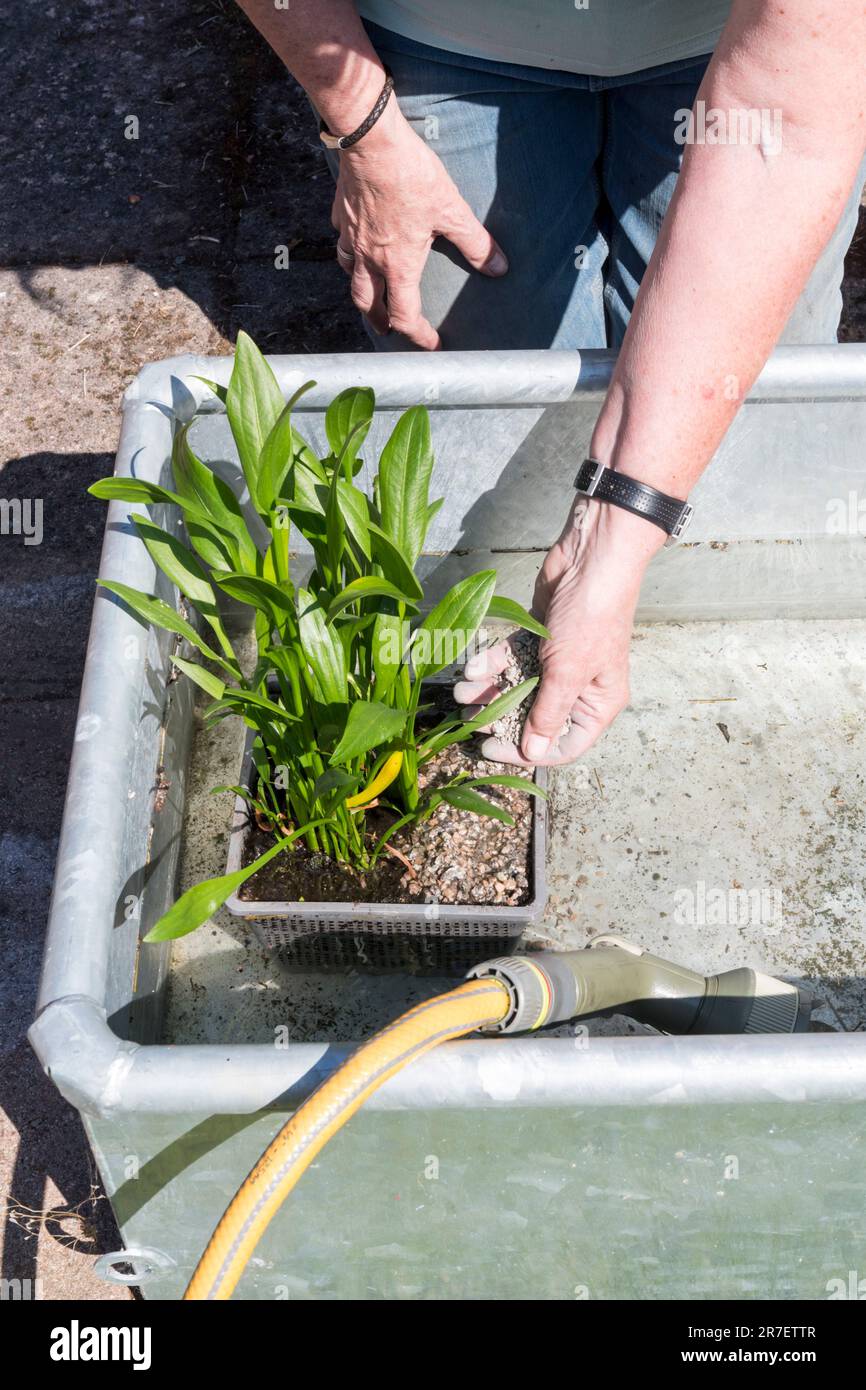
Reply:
x=603, y=38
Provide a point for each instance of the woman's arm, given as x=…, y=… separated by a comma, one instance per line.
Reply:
x=393, y=193
x=744, y=229
x=325, y=47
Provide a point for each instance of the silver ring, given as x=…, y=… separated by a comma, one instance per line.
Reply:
x=346, y=258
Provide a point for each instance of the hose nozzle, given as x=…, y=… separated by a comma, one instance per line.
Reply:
x=615, y=976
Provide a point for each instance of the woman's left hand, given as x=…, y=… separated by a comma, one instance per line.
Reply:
x=586, y=595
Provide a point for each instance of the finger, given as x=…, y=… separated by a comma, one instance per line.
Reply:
x=405, y=316
x=490, y=661
x=557, y=694
x=368, y=294
x=345, y=256
x=499, y=750
x=475, y=692
x=474, y=242
x=594, y=712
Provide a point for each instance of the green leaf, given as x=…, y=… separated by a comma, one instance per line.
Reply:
x=132, y=490
x=259, y=593
x=212, y=544
x=506, y=779
x=501, y=706
x=200, y=902
x=369, y=724
x=347, y=421
x=180, y=565
x=355, y=508
x=448, y=630
x=511, y=612
x=322, y=649
x=153, y=610
x=467, y=800
x=254, y=403
x=497, y=709
x=368, y=586
x=334, y=779
x=208, y=682
x=389, y=641
x=201, y=487
x=250, y=699
x=305, y=455
x=177, y=562
x=394, y=563
x=405, y=467
x=334, y=786
x=335, y=529
x=218, y=552
x=278, y=451
x=308, y=492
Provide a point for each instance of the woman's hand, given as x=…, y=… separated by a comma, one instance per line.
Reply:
x=393, y=198
x=586, y=594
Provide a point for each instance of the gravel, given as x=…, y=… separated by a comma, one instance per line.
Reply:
x=523, y=663
x=454, y=856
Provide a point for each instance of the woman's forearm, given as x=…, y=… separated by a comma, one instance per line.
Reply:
x=744, y=229
x=325, y=47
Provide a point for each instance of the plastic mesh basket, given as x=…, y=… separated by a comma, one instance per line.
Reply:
x=398, y=936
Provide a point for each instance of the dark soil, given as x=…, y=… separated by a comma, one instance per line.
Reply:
x=456, y=856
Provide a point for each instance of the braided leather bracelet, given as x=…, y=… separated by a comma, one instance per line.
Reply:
x=345, y=142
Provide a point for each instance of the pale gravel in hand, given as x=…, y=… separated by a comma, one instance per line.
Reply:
x=523, y=663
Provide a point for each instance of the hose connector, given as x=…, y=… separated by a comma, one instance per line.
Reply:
x=616, y=976
x=542, y=990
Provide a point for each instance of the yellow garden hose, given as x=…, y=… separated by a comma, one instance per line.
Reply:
x=472, y=1005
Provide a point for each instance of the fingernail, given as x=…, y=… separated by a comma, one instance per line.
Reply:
x=536, y=747
x=497, y=265
x=475, y=667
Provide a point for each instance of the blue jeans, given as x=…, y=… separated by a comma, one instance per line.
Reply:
x=573, y=176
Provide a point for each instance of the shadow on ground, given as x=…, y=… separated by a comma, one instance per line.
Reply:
x=175, y=141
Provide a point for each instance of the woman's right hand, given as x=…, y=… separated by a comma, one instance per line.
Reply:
x=394, y=196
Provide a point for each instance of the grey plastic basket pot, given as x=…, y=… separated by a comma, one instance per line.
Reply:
x=401, y=936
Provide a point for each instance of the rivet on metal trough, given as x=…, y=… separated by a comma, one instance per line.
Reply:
x=143, y=1261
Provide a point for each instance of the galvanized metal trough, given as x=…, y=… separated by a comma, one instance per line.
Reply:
x=566, y=1167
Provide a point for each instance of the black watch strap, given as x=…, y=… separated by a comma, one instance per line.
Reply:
x=671, y=514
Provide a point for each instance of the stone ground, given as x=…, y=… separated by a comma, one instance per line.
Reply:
x=115, y=252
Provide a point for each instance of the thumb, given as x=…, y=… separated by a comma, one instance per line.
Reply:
x=560, y=686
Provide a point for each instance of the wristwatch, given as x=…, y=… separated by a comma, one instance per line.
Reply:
x=671, y=514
